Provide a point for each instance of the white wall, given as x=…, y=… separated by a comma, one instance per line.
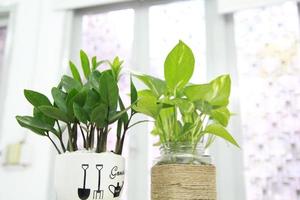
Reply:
x=35, y=63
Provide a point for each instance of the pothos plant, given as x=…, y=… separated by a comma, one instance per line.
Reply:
x=185, y=113
x=83, y=108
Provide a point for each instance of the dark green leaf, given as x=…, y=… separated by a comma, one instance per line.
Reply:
x=31, y=128
x=54, y=113
x=99, y=115
x=39, y=115
x=59, y=99
x=35, y=123
x=133, y=92
x=70, y=84
x=179, y=67
x=80, y=113
x=75, y=72
x=109, y=91
x=92, y=100
x=36, y=99
x=85, y=63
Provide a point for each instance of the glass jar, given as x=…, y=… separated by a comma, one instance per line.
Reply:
x=183, y=153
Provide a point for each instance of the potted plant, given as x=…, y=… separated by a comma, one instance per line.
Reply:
x=188, y=117
x=78, y=122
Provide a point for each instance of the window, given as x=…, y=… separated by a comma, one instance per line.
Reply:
x=110, y=31
x=267, y=41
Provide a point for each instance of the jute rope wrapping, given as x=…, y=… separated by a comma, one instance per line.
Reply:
x=183, y=182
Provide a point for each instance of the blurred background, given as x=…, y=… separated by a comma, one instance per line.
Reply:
x=256, y=41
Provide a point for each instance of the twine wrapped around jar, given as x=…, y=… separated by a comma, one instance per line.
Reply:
x=183, y=182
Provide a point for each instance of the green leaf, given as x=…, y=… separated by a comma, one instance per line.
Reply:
x=39, y=115
x=99, y=115
x=80, y=97
x=133, y=92
x=96, y=64
x=179, y=67
x=31, y=128
x=217, y=92
x=75, y=72
x=221, y=115
x=220, y=131
x=118, y=115
x=36, y=99
x=94, y=80
x=109, y=91
x=116, y=68
x=147, y=103
x=80, y=113
x=35, y=123
x=70, y=84
x=92, y=100
x=122, y=107
x=156, y=85
x=54, y=113
x=59, y=98
x=85, y=64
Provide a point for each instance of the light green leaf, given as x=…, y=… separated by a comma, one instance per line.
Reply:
x=85, y=64
x=36, y=99
x=179, y=67
x=99, y=115
x=54, y=113
x=75, y=72
x=220, y=131
x=156, y=85
x=221, y=115
x=147, y=103
x=69, y=84
x=217, y=92
x=109, y=91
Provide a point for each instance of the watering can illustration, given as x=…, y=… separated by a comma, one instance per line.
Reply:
x=116, y=190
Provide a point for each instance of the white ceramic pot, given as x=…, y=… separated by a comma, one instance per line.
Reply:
x=87, y=176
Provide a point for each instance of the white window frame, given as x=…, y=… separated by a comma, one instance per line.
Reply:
x=7, y=19
x=220, y=45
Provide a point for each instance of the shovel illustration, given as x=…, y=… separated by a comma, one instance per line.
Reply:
x=98, y=194
x=84, y=193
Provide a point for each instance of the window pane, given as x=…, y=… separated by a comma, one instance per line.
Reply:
x=177, y=21
x=107, y=35
x=3, y=31
x=268, y=61
x=169, y=23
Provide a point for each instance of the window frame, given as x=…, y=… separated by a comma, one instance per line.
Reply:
x=224, y=49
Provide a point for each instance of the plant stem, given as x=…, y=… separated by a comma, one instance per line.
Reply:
x=70, y=144
x=74, y=129
x=83, y=137
x=60, y=137
x=57, y=149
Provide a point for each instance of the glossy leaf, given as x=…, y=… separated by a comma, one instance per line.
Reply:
x=156, y=85
x=35, y=123
x=80, y=113
x=85, y=64
x=179, y=67
x=36, y=99
x=39, y=115
x=147, y=103
x=99, y=115
x=109, y=91
x=70, y=84
x=54, y=113
x=133, y=92
x=75, y=72
x=59, y=98
x=220, y=131
x=221, y=115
